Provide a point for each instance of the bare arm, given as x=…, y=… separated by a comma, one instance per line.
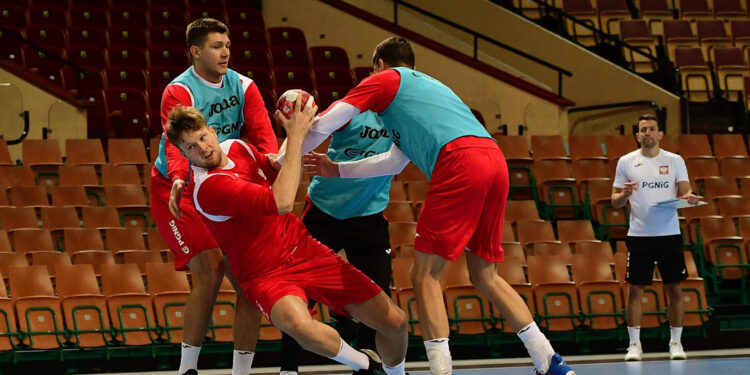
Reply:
x=686, y=192
x=285, y=187
x=620, y=195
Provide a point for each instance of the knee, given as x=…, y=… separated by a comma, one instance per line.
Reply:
x=480, y=280
x=210, y=274
x=399, y=323
x=296, y=326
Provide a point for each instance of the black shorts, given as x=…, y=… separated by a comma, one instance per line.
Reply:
x=665, y=251
x=365, y=239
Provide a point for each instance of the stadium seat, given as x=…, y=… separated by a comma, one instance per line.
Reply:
x=38, y=309
x=513, y=273
x=13, y=218
x=69, y=196
x=120, y=175
x=557, y=189
x=585, y=170
x=533, y=231
x=127, y=151
x=508, y=235
x=516, y=211
x=468, y=311
x=290, y=56
x=86, y=17
x=636, y=34
x=28, y=196
x=712, y=34
x=4, y=242
x=222, y=317
x=85, y=176
x=723, y=247
x=16, y=175
x=517, y=154
x=574, y=232
x=554, y=292
x=29, y=240
x=161, y=76
x=119, y=77
x=557, y=248
x=396, y=191
x=601, y=301
x=168, y=15
x=619, y=145
x=655, y=12
x=130, y=57
x=612, y=222
x=740, y=30
x=244, y=35
x=600, y=249
x=402, y=234
x=100, y=217
x=129, y=305
x=584, y=12
x=729, y=145
x=399, y=211
x=416, y=191
x=584, y=147
x=334, y=77
x=130, y=36
x=43, y=156
x=122, y=239
x=692, y=218
x=694, y=296
x=700, y=169
x=8, y=327
x=140, y=258
x=727, y=10
x=4, y=153
x=169, y=290
x=733, y=207
x=82, y=239
x=611, y=13
x=695, y=75
x=548, y=147
x=694, y=146
x=50, y=259
x=47, y=16
x=735, y=168
x=87, y=56
x=168, y=56
x=56, y=219
x=668, y=144
x=695, y=10
x=84, y=152
x=678, y=33
x=286, y=36
x=13, y=15
x=720, y=187
x=362, y=72
x=328, y=56
x=204, y=11
x=129, y=15
x=96, y=258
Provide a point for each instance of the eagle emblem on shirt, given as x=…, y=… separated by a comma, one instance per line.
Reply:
x=664, y=169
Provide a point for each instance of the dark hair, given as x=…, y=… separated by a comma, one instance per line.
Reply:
x=651, y=118
x=183, y=119
x=394, y=51
x=198, y=30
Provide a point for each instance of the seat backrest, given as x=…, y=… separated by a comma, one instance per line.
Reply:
x=76, y=280
x=155, y=241
x=513, y=252
x=124, y=239
x=634, y=29
x=4, y=153
x=124, y=195
x=402, y=233
x=692, y=57
x=733, y=206
x=141, y=258
x=548, y=147
x=727, y=6
x=399, y=211
x=694, y=145
x=455, y=273
x=12, y=175
x=587, y=268
x=4, y=242
x=716, y=227
x=285, y=36
x=727, y=57
x=59, y=218
x=702, y=168
x=577, y=6
x=514, y=147
x=711, y=29
x=50, y=259
x=728, y=145
x=41, y=152
x=552, y=248
x=162, y=278
x=585, y=146
x=596, y=249
x=29, y=281
x=547, y=269
x=8, y=260
x=84, y=152
x=327, y=56
x=511, y=270
x=735, y=167
x=121, y=278
x=575, y=230
x=743, y=227
x=82, y=239
x=127, y=151
x=83, y=175
x=96, y=258
x=69, y=196
x=521, y=210
x=402, y=271
x=587, y=169
x=30, y=240
x=687, y=6
x=740, y=29
x=721, y=186
x=29, y=195
x=551, y=170
x=100, y=217
x=120, y=175
x=677, y=29
x=619, y=145
x=534, y=231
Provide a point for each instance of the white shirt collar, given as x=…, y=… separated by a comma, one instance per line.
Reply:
x=209, y=84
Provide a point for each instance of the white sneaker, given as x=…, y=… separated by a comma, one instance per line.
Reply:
x=635, y=352
x=675, y=351
x=439, y=363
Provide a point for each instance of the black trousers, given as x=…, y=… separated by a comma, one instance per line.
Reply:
x=368, y=248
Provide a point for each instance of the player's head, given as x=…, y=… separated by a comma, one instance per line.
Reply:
x=208, y=43
x=649, y=131
x=393, y=52
x=187, y=129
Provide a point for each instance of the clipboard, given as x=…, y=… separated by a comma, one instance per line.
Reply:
x=676, y=203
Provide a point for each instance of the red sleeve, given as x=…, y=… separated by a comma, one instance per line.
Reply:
x=257, y=128
x=177, y=165
x=376, y=92
x=227, y=195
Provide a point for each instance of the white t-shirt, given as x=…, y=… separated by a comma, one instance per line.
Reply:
x=657, y=179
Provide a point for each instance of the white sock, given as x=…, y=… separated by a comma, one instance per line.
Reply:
x=635, y=334
x=676, y=334
x=537, y=345
x=441, y=343
x=399, y=369
x=189, y=358
x=352, y=357
x=288, y=373
x=242, y=362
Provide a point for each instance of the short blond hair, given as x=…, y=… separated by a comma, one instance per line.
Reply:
x=183, y=119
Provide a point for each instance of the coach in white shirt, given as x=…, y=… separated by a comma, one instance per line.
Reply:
x=646, y=176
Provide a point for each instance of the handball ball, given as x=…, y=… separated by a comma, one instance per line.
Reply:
x=286, y=101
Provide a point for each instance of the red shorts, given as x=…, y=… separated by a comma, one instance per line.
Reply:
x=465, y=205
x=186, y=236
x=315, y=271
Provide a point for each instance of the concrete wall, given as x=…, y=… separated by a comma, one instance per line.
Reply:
x=595, y=81
x=45, y=110
x=499, y=102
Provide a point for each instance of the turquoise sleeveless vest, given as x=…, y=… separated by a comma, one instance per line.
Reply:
x=221, y=107
x=424, y=116
x=344, y=198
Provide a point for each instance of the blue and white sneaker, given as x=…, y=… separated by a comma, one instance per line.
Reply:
x=556, y=367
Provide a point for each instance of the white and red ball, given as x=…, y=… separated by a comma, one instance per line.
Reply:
x=286, y=101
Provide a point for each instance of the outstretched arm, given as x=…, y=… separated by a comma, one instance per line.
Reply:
x=388, y=163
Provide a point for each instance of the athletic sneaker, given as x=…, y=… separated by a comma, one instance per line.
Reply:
x=375, y=367
x=634, y=352
x=190, y=372
x=439, y=363
x=556, y=367
x=675, y=351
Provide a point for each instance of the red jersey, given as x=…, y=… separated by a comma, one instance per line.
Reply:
x=257, y=128
x=238, y=208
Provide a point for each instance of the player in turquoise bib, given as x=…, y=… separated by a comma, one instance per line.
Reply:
x=463, y=213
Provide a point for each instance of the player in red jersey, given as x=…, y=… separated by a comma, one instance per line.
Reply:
x=246, y=205
x=233, y=106
x=465, y=205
